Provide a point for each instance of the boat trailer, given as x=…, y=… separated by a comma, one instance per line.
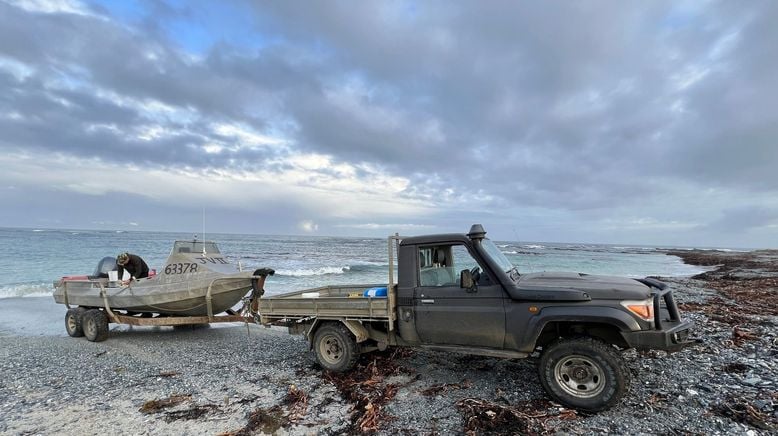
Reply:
x=92, y=323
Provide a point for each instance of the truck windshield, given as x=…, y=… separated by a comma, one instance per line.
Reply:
x=502, y=262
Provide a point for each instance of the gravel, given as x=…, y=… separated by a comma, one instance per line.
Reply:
x=230, y=379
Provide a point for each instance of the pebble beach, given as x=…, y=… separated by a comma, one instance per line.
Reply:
x=246, y=379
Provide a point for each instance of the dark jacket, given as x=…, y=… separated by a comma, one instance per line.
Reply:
x=136, y=267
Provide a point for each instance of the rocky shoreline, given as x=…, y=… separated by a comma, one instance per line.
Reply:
x=241, y=381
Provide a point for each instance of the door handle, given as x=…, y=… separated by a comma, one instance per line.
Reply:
x=428, y=301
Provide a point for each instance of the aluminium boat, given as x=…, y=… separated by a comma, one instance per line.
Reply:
x=195, y=271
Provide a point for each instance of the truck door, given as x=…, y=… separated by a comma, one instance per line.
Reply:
x=447, y=314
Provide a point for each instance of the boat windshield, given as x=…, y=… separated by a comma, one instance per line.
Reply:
x=502, y=262
x=195, y=247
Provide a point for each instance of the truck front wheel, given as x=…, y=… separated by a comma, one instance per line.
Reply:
x=335, y=347
x=584, y=373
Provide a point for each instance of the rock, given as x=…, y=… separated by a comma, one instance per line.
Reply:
x=763, y=405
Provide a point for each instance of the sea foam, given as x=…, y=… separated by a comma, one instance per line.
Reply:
x=304, y=272
x=26, y=290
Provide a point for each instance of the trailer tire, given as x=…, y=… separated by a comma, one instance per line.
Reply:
x=73, y=322
x=584, y=373
x=95, y=325
x=335, y=347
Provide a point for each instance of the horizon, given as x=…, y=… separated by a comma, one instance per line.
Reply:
x=625, y=245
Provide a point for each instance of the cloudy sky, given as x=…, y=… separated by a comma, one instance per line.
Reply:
x=614, y=122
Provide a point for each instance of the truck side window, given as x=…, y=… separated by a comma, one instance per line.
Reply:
x=436, y=266
x=440, y=265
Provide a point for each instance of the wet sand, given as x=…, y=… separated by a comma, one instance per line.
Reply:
x=41, y=316
x=32, y=316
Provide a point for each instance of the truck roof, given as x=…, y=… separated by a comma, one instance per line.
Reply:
x=435, y=239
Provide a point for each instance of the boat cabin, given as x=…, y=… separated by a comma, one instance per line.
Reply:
x=195, y=246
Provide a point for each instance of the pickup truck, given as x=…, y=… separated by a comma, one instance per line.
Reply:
x=459, y=293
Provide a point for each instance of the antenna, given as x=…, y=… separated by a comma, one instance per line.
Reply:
x=525, y=259
x=204, y=232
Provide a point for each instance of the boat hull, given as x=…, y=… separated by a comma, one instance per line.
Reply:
x=185, y=298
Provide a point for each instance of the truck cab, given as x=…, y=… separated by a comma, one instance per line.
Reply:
x=433, y=306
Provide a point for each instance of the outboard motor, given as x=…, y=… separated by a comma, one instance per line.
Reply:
x=105, y=265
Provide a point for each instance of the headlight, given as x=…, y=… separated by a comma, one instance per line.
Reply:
x=643, y=309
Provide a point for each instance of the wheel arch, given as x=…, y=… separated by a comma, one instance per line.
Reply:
x=355, y=327
x=604, y=323
x=554, y=330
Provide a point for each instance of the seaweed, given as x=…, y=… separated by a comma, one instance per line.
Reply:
x=270, y=420
x=363, y=387
x=528, y=417
x=445, y=387
x=297, y=402
x=752, y=297
x=265, y=420
x=740, y=410
x=740, y=336
x=191, y=413
x=155, y=406
x=735, y=367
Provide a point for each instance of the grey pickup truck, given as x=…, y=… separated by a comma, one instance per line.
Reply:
x=458, y=292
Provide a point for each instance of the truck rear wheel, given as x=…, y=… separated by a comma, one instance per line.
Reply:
x=95, y=324
x=73, y=321
x=335, y=347
x=584, y=373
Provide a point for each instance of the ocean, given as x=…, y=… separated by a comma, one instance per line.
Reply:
x=33, y=258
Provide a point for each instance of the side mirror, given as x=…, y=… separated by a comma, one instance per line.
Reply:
x=466, y=280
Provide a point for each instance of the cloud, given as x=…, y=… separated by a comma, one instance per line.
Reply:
x=376, y=226
x=52, y=7
x=745, y=219
x=603, y=122
x=294, y=181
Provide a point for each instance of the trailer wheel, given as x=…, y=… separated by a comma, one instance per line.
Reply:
x=95, y=324
x=335, y=347
x=584, y=373
x=73, y=322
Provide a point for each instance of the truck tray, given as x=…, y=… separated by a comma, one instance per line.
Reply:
x=326, y=302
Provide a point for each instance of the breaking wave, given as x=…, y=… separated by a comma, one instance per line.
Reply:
x=26, y=290
x=355, y=267
x=305, y=272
